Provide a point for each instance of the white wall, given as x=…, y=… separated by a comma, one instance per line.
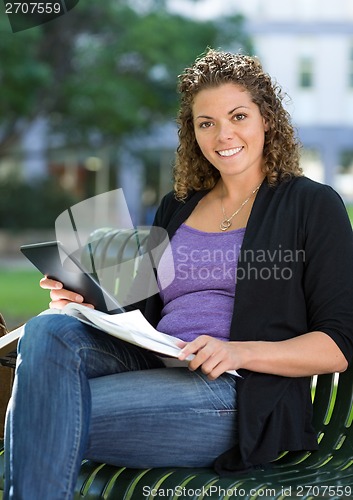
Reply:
x=291, y=10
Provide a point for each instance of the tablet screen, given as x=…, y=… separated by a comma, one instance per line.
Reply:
x=52, y=260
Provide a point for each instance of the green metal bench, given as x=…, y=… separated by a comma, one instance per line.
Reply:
x=326, y=473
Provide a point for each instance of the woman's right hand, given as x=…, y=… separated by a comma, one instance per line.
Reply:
x=59, y=295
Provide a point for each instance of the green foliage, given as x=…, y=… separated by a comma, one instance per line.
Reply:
x=21, y=296
x=19, y=77
x=130, y=81
x=104, y=69
x=36, y=205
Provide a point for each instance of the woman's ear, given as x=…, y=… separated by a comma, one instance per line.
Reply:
x=266, y=125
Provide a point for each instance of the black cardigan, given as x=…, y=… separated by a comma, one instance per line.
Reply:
x=295, y=275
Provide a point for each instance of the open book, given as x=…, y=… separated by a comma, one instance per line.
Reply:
x=8, y=342
x=129, y=326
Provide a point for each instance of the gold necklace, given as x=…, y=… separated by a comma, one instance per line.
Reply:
x=227, y=221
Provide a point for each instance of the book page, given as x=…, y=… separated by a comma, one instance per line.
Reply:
x=129, y=326
x=8, y=342
x=132, y=327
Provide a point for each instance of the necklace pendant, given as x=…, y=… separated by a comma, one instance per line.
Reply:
x=225, y=224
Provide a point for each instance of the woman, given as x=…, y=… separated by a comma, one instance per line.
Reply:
x=262, y=254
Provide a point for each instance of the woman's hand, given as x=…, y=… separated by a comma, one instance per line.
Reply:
x=312, y=353
x=59, y=295
x=213, y=356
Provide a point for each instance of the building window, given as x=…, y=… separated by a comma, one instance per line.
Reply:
x=311, y=163
x=306, y=72
x=346, y=161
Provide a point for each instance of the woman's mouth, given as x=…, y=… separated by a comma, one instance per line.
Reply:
x=226, y=153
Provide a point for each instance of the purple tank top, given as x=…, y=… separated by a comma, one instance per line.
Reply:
x=200, y=298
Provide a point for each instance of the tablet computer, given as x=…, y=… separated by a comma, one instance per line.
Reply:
x=52, y=259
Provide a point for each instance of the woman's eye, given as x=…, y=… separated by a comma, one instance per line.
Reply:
x=239, y=117
x=205, y=124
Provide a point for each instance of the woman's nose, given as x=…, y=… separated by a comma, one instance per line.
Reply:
x=225, y=131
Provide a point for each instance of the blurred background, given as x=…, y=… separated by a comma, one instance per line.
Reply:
x=88, y=104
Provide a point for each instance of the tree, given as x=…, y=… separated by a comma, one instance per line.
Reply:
x=105, y=68
x=50, y=201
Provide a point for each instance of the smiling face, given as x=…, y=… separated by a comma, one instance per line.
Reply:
x=229, y=130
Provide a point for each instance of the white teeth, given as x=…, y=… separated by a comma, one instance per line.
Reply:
x=229, y=152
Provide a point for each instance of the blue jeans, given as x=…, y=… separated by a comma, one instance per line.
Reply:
x=80, y=393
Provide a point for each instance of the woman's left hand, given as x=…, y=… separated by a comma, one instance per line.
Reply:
x=213, y=356
x=311, y=353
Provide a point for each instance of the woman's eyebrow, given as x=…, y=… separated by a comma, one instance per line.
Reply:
x=204, y=116
x=229, y=113
x=237, y=107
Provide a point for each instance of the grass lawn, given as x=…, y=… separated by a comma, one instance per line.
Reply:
x=20, y=295
x=350, y=212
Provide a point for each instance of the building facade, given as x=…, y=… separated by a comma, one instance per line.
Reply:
x=307, y=46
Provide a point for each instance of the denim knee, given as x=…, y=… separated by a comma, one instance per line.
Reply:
x=40, y=333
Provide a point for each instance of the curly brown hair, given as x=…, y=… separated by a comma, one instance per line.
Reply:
x=192, y=171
